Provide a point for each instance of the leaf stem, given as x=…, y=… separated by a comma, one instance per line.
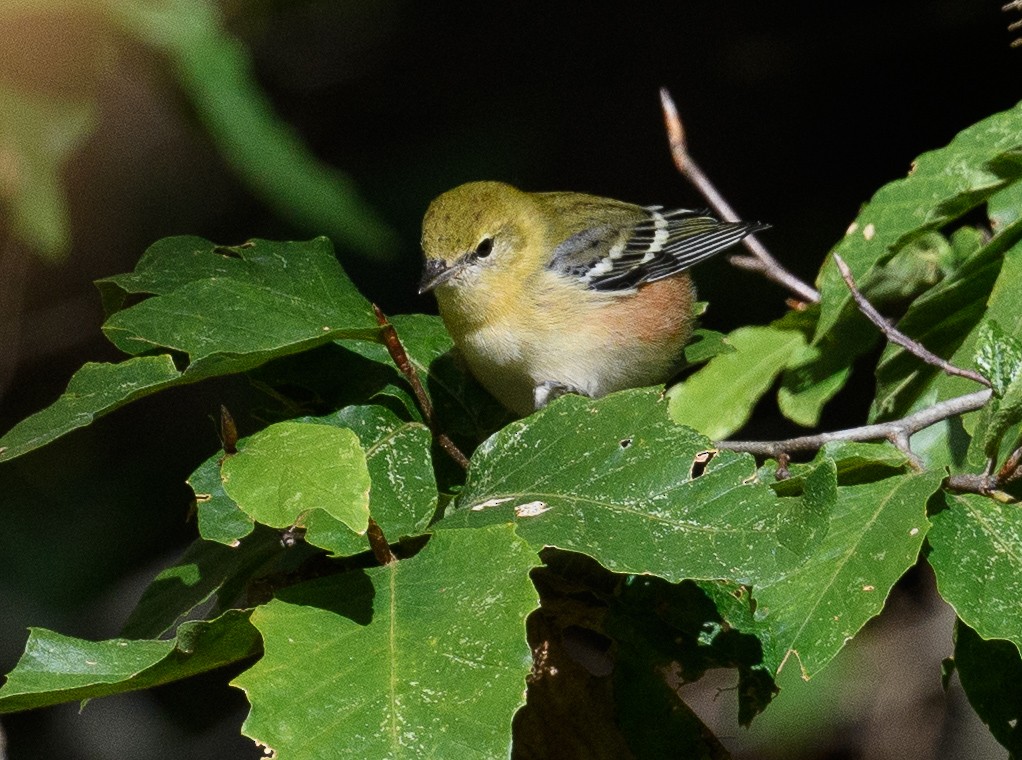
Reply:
x=400, y=356
x=378, y=543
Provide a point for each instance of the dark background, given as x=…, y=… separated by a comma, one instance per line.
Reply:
x=798, y=111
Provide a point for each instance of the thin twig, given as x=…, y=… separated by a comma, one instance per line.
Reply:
x=895, y=430
x=896, y=336
x=404, y=364
x=760, y=261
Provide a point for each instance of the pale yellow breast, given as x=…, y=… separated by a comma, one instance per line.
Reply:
x=593, y=342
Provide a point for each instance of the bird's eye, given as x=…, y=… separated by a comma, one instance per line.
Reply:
x=485, y=248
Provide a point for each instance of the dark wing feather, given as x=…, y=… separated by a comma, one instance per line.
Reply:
x=660, y=245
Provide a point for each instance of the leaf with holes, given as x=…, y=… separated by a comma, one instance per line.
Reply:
x=617, y=480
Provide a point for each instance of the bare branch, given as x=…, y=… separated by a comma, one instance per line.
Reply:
x=760, y=261
x=896, y=336
x=983, y=485
x=404, y=364
x=896, y=431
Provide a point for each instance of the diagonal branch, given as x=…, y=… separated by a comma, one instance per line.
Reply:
x=404, y=364
x=761, y=260
x=896, y=336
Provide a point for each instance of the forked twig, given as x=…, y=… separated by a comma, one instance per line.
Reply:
x=760, y=259
x=896, y=431
x=400, y=356
x=899, y=431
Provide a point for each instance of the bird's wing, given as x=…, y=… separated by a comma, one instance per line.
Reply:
x=656, y=245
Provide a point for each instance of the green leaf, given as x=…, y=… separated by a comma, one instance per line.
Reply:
x=854, y=459
x=977, y=558
x=165, y=266
x=616, y=480
x=56, y=668
x=302, y=474
x=998, y=356
x=854, y=463
x=37, y=135
x=257, y=301
x=966, y=242
x=805, y=390
x=876, y=531
x=918, y=265
x=942, y=185
x=206, y=581
x=402, y=500
x=425, y=657
x=821, y=370
x=1005, y=207
x=991, y=676
x=994, y=422
x=719, y=398
x=947, y=320
x=674, y=633
x=704, y=345
x=219, y=516
x=806, y=519
x=230, y=309
x=95, y=389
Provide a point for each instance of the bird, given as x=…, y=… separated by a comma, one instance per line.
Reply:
x=547, y=293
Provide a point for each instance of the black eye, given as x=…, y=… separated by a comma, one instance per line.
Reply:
x=485, y=248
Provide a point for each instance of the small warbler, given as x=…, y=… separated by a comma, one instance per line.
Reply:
x=552, y=293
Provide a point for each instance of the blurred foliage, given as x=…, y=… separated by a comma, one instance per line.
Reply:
x=40, y=131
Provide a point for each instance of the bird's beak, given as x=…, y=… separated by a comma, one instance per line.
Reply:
x=434, y=273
